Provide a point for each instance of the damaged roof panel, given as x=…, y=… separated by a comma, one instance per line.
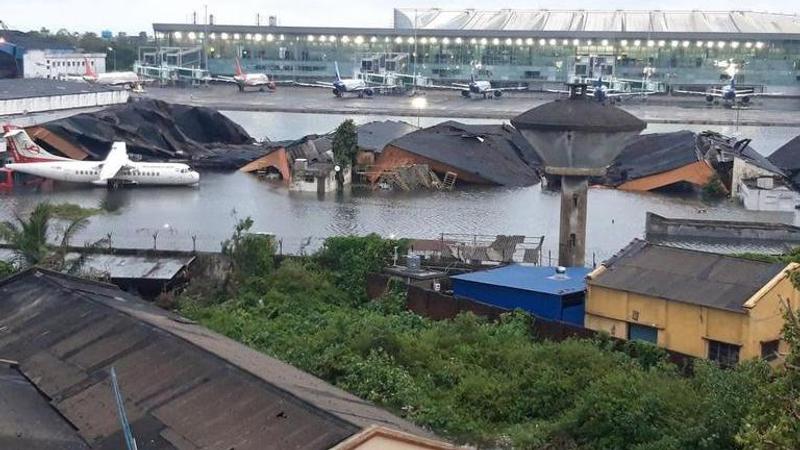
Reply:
x=495, y=153
x=650, y=154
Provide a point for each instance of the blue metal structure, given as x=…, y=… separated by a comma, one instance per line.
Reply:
x=538, y=290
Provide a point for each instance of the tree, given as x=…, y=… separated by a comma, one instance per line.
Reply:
x=774, y=420
x=345, y=143
x=30, y=237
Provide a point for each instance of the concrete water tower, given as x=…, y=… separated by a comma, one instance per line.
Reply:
x=576, y=138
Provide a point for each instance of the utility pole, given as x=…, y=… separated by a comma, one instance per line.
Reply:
x=414, y=87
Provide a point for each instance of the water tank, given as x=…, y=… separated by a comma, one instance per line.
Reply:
x=414, y=262
x=273, y=21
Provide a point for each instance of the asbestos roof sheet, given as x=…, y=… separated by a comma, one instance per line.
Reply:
x=373, y=136
x=726, y=22
x=496, y=153
x=183, y=385
x=688, y=276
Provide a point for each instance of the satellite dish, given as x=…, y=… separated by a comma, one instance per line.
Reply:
x=337, y=168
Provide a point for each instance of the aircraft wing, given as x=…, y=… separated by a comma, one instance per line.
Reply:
x=224, y=79
x=452, y=87
x=629, y=94
x=515, y=88
x=316, y=84
x=759, y=94
x=556, y=91
x=117, y=159
x=711, y=93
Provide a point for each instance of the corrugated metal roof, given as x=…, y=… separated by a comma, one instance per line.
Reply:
x=531, y=278
x=133, y=266
x=374, y=136
x=650, y=154
x=688, y=276
x=599, y=21
x=184, y=386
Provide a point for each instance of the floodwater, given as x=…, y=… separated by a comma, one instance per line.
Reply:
x=208, y=212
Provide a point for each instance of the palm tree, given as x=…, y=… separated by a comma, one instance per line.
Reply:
x=29, y=237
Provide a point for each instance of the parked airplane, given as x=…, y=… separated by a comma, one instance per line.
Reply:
x=603, y=93
x=245, y=80
x=480, y=87
x=116, y=169
x=128, y=79
x=341, y=86
x=729, y=94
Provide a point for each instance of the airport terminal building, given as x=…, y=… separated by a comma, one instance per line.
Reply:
x=531, y=47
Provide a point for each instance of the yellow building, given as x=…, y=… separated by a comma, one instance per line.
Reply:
x=700, y=304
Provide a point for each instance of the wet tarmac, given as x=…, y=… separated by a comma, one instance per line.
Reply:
x=655, y=109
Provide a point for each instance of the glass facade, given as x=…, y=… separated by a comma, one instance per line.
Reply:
x=286, y=53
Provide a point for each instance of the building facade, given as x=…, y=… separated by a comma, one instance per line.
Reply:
x=696, y=303
x=670, y=48
x=59, y=64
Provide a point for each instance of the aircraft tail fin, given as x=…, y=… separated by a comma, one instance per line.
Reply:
x=239, y=70
x=23, y=149
x=336, y=66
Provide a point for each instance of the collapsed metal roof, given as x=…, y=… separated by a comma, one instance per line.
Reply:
x=687, y=276
x=184, y=386
x=727, y=22
x=496, y=153
x=649, y=154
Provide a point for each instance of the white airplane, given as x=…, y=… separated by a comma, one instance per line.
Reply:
x=128, y=79
x=244, y=80
x=729, y=94
x=341, y=86
x=117, y=169
x=480, y=87
x=601, y=92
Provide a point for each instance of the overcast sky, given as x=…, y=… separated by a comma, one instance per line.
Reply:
x=138, y=15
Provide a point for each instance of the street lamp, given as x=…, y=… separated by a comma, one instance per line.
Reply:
x=419, y=103
x=110, y=49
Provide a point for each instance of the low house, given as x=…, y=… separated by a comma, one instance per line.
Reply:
x=304, y=165
x=183, y=386
x=701, y=304
x=549, y=293
x=374, y=136
x=768, y=193
x=476, y=154
x=660, y=160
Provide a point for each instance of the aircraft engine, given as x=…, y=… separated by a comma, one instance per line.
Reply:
x=745, y=100
x=498, y=94
x=337, y=92
x=465, y=94
x=369, y=92
x=271, y=86
x=709, y=98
